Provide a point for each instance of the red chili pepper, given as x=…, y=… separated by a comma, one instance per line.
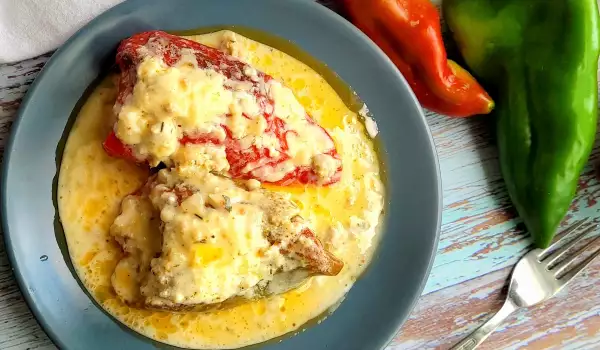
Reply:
x=409, y=32
x=132, y=51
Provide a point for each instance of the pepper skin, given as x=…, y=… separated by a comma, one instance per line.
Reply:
x=539, y=59
x=409, y=32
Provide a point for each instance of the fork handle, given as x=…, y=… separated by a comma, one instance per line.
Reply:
x=481, y=333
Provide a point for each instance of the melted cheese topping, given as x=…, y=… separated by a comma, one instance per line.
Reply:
x=345, y=215
x=169, y=102
x=213, y=242
x=204, y=156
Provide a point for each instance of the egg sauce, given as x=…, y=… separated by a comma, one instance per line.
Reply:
x=345, y=215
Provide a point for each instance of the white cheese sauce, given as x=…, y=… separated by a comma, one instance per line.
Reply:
x=169, y=103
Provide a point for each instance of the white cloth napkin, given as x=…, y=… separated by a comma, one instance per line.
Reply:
x=29, y=28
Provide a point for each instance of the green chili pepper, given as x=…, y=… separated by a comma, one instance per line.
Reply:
x=539, y=61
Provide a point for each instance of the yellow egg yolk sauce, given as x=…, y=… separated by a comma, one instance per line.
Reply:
x=345, y=215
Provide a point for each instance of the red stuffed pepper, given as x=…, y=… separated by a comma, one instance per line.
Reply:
x=286, y=146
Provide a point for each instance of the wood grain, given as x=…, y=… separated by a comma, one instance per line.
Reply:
x=481, y=240
x=18, y=328
x=568, y=321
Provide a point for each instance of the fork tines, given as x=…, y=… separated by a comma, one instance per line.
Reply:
x=555, y=257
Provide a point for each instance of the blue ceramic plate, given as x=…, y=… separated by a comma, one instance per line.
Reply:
x=378, y=303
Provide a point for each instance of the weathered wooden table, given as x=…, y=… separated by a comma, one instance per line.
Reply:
x=480, y=242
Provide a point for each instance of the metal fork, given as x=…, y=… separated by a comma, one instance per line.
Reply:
x=537, y=277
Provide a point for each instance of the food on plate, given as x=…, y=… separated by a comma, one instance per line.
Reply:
x=409, y=32
x=165, y=86
x=203, y=242
x=541, y=60
x=219, y=241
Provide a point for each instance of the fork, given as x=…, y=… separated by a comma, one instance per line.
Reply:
x=537, y=277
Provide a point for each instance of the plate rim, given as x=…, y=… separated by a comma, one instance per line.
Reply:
x=56, y=57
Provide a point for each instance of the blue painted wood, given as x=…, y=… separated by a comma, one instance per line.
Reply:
x=481, y=232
